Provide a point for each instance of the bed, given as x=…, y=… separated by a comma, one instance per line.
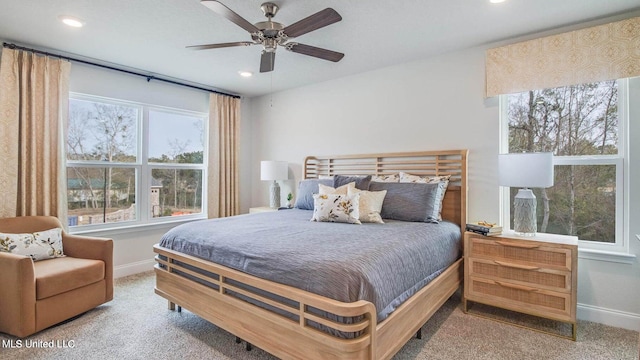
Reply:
x=297, y=322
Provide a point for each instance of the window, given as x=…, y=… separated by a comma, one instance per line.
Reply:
x=133, y=163
x=583, y=125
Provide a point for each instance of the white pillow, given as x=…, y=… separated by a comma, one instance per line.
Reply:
x=336, y=208
x=39, y=246
x=370, y=204
x=342, y=190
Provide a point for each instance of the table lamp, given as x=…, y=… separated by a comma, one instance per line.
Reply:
x=525, y=170
x=274, y=171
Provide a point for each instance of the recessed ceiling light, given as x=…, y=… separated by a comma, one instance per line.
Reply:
x=245, y=73
x=496, y=1
x=71, y=21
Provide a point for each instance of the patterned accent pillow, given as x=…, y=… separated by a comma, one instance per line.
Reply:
x=370, y=204
x=406, y=178
x=393, y=178
x=342, y=190
x=336, y=208
x=443, y=182
x=41, y=245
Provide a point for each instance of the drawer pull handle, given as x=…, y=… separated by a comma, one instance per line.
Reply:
x=516, y=266
x=517, y=287
x=518, y=245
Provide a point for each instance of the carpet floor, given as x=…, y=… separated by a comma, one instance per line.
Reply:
x=137, y=325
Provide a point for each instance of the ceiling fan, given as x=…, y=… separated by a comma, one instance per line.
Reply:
x=270, y=34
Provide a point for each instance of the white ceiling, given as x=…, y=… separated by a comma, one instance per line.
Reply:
x=151, y=35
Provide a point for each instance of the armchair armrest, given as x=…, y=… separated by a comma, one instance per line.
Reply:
x=18, y=297
x=96, y=248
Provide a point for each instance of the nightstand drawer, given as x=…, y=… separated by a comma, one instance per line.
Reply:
x=527, y=275
x=523, y=252
x=530, y=300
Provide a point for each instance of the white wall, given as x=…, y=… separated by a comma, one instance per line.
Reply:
x=417, y=106
x=437, y=103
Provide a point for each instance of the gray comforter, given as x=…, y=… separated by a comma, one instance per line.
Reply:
x=381, y=263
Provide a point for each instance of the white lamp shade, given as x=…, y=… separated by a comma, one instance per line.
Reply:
x=531, y=170
x=274, y=170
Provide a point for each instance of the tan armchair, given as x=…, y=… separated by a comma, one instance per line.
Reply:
x=37, y=295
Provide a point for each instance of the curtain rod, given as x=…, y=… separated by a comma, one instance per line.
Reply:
x=146, y=76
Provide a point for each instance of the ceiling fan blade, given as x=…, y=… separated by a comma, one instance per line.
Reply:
x=267, y=61
x=315, y=52
x=316, y=21
x=222, y=10
x=221, y=45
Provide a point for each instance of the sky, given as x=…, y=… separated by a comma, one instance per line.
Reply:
x=169, y=133
x=167, y=128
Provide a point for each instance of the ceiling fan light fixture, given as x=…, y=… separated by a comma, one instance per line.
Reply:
x=71, y=21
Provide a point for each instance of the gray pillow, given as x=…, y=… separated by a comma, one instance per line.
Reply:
x=306, y=189
x=409, y=201
x=362, y=182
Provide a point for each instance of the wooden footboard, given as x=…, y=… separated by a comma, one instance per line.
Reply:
x=284, y=328
x=286, y=332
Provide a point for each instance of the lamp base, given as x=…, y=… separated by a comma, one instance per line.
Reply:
x=274, y=202
x=524, y=213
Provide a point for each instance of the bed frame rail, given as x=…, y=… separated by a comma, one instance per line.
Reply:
x=289, y=312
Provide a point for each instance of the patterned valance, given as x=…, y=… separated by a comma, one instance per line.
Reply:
x=605, y=52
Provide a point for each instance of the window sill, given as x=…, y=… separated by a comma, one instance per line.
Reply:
x=609, y=256
x=135, y=228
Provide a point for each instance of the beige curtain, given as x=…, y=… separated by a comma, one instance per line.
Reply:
x=34, y=96
x=605, y=52
x=223, y=182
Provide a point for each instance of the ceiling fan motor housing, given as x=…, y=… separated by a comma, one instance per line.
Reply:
x=269, y=9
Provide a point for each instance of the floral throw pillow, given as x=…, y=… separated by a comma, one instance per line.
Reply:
x=336, y=208
x=39, y=246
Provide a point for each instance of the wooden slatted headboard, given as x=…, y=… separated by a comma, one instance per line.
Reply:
x=423, y=163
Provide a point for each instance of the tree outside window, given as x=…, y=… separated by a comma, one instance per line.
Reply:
x=580, y=124
x=114, y=174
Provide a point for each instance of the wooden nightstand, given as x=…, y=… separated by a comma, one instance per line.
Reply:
x=533, y=275
x=255, y=210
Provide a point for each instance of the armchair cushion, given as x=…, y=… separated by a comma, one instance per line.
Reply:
x=57, y=276
x=40, y=245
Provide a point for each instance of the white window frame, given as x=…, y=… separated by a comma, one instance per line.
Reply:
x=143, y=167
x=619, y=250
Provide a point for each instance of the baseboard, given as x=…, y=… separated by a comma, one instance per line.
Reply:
x=609, y=317
x=133, y=268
